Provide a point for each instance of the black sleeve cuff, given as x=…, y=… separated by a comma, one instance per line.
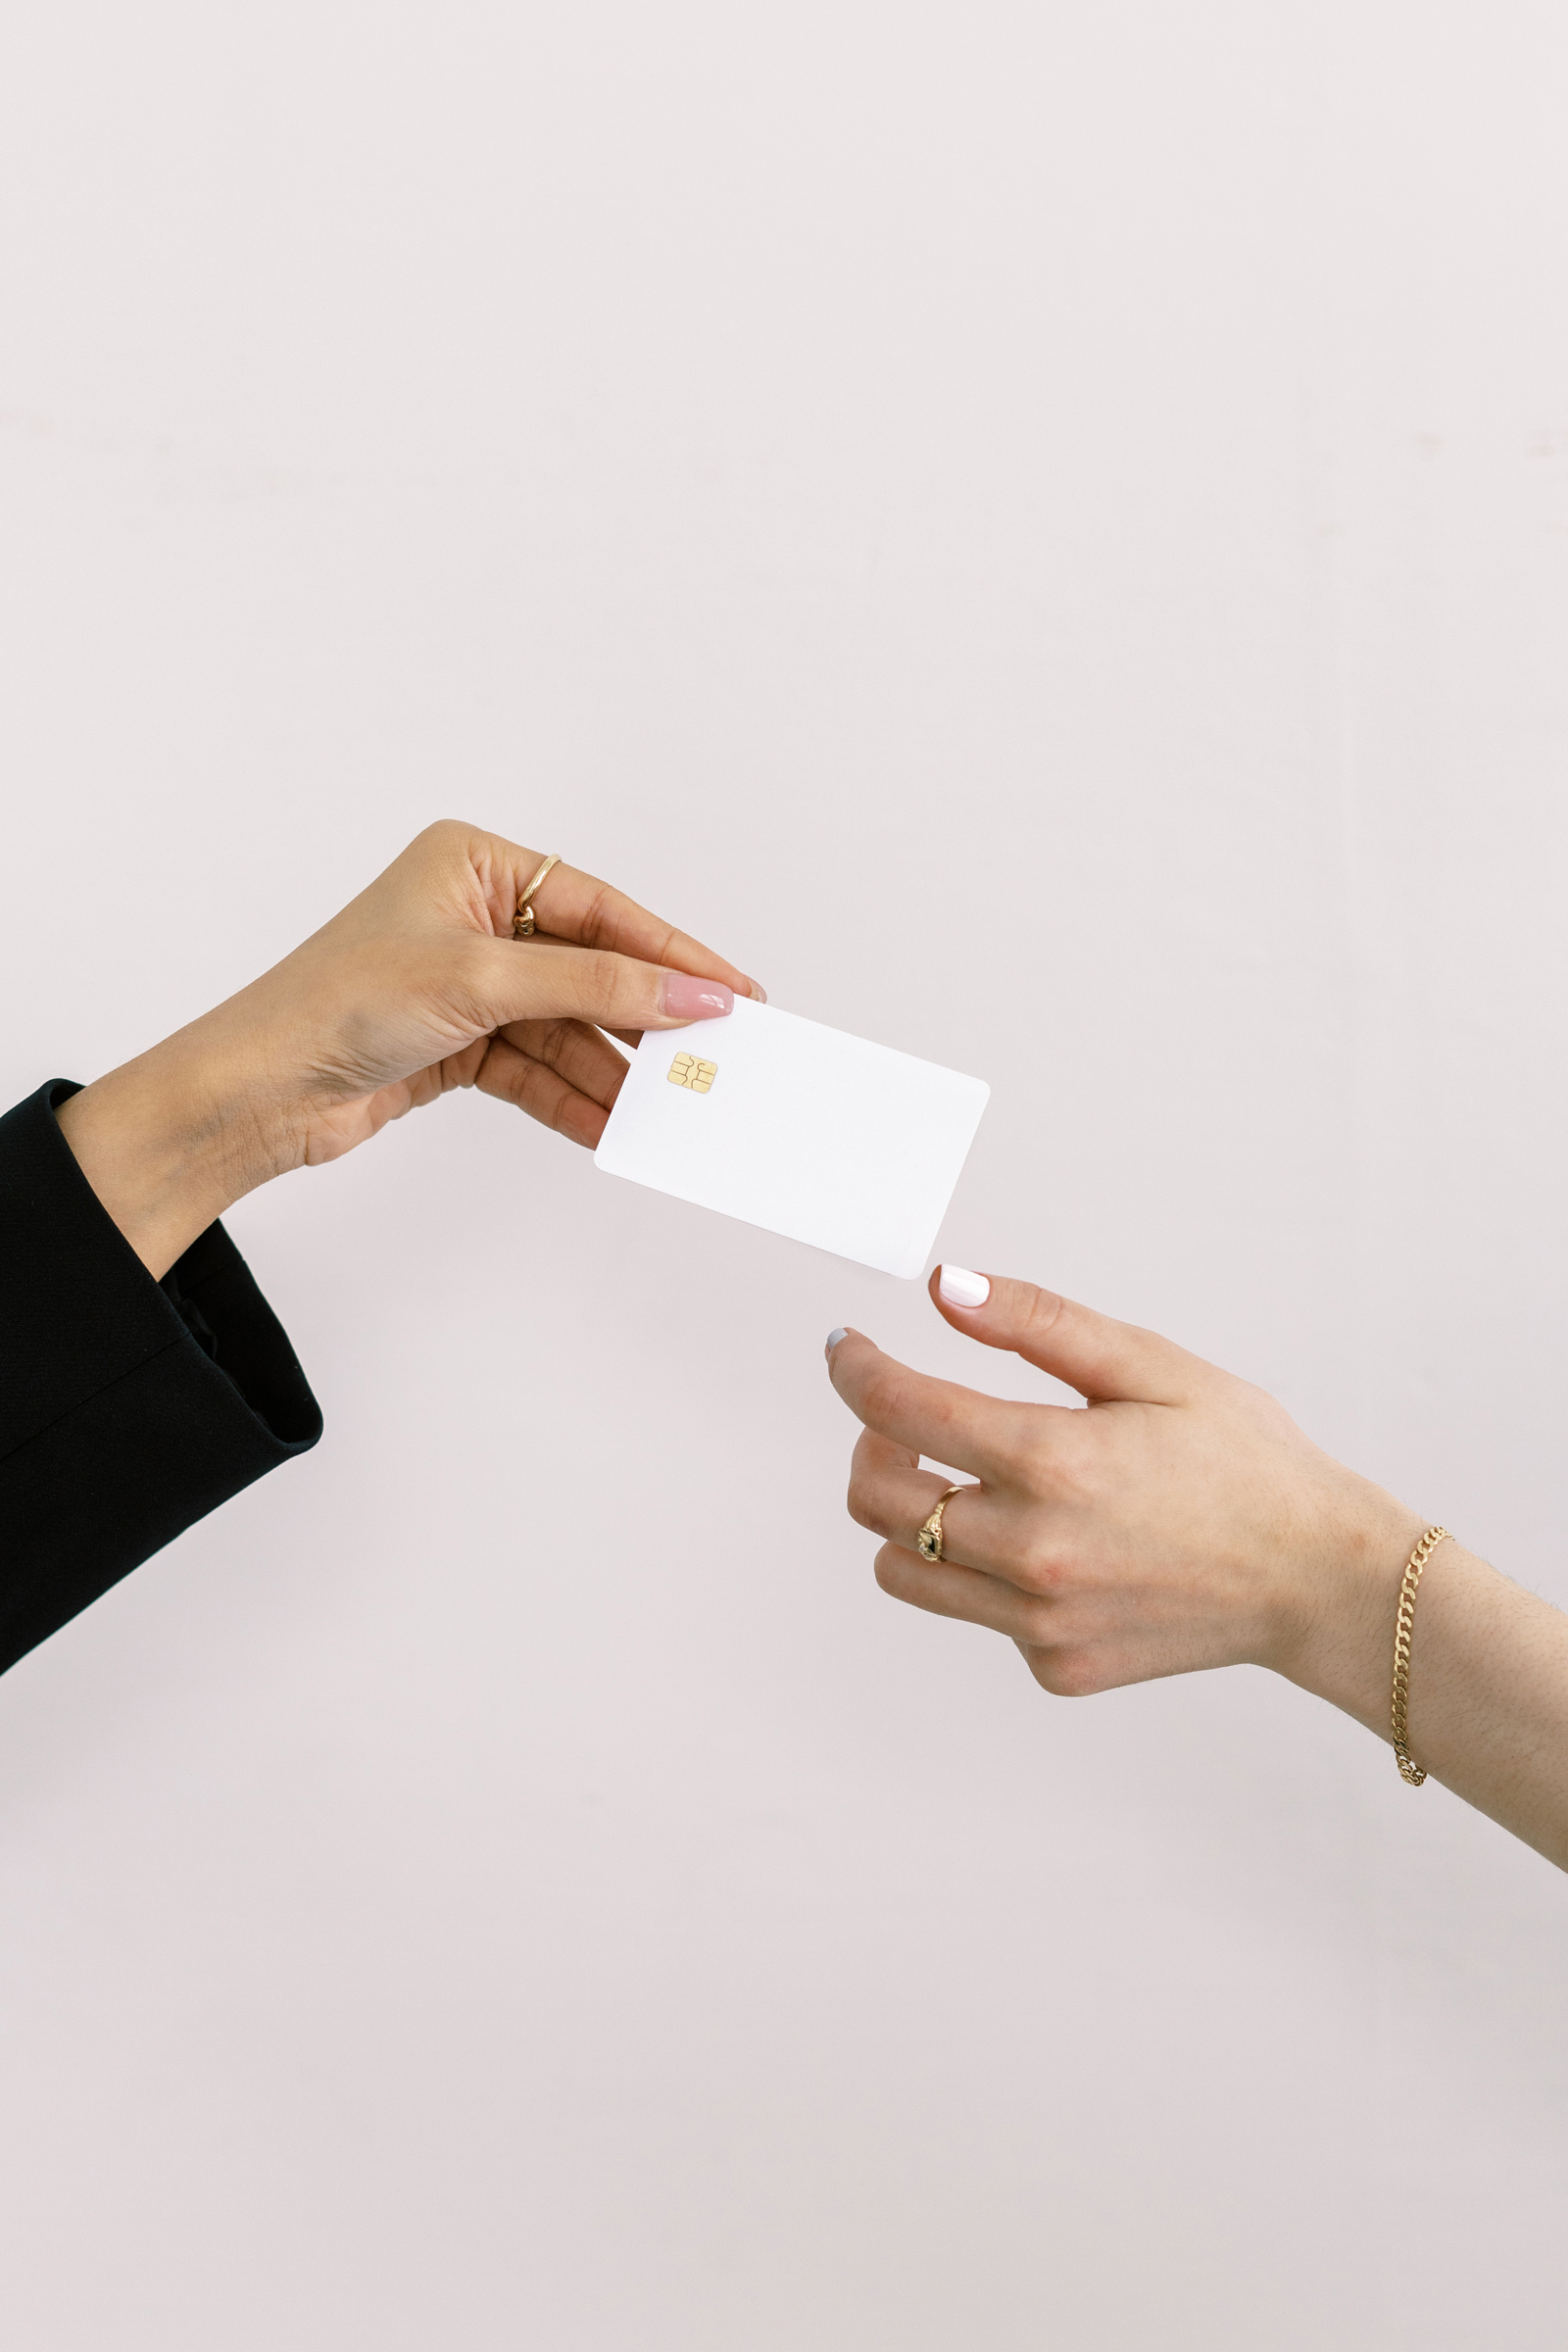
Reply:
x=129, y=1408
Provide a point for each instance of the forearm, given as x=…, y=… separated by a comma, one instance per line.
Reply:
x=1488, y=1687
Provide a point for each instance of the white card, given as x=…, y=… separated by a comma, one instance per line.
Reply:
x=811, y=1133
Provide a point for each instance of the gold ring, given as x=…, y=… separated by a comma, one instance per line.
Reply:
x=928, y=1542
x=522, y=920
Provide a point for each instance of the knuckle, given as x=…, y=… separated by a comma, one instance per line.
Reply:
x=549, y=1042
x=1043, y=1568
x=443, y=836
x=522, y=1085
x=886, y=1570
x=490, y=1071
x=1044, y=1311
x=857, y=1502
x=598, y=927
x=881, y=1391
x=613, y=987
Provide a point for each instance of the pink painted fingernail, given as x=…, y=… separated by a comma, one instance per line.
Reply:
x=960, y=1288
x=686, y=999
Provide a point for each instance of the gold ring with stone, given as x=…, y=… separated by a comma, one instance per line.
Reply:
x=928, y=1542
x=522, y=920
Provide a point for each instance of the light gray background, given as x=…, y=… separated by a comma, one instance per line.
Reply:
x=1043, y=532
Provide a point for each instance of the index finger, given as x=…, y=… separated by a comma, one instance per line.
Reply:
x=577, y=906
x=934, y=1417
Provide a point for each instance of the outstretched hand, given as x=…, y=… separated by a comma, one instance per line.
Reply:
x=1181, y=1521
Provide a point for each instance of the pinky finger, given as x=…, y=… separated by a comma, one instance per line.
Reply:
x=968, y=1593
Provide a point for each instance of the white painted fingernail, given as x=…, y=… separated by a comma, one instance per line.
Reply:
x=759, y=992
x=834, y=1336
x=960, y=1288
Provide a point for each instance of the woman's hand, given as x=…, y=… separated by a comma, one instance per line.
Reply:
x=1184, y=1521
x=416, y=987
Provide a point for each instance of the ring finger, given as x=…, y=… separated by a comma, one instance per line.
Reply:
x=892, y=1497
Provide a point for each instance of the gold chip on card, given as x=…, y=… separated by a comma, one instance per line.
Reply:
x=687, y=1070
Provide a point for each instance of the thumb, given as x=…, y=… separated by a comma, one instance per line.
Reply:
x=521, y=980
x=1093, y=1353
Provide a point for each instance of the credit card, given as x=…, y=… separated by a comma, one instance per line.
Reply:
x=801, y=1129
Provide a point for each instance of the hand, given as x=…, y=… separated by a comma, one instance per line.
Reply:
x=1182, y=1521
x=416, y=987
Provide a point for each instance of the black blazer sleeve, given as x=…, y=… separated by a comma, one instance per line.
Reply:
x=128, y=1408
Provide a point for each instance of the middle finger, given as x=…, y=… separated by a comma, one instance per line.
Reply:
x=576, y=1051
x=934, y=1417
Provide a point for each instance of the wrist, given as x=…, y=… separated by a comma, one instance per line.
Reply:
x=171, y=1140
x=1335, y=1639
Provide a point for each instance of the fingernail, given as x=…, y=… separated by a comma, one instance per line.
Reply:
x=834, y=1336
x=960, y=1288
x=759, y=992
x=686, y=999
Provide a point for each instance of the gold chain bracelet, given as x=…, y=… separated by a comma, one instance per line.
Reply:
x=1404, y=1628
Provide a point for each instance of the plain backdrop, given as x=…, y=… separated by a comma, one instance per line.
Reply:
x=1042, y=532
